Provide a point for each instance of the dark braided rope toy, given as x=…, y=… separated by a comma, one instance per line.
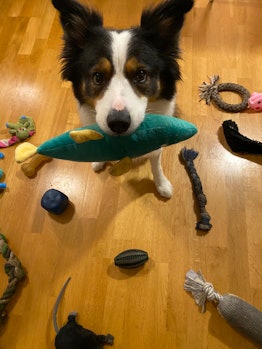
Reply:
x=210, y=91
x=188, y=156
x=15, y=272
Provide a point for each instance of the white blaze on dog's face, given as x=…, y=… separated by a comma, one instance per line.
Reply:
x=120, y=106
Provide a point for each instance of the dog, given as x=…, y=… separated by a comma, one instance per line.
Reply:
x=119, y=76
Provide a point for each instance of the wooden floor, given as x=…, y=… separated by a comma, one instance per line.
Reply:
x=145, y=308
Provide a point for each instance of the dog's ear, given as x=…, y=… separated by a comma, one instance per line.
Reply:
x=164, y=21
x=77, y=20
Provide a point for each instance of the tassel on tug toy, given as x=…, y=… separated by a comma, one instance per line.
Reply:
x=90, y=143
x=240, y=315
x=188, y=156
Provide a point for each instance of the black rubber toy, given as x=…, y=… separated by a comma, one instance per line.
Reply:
x=132, y=258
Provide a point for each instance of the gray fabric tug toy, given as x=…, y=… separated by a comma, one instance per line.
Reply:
x=73, y=335
x=239, y=314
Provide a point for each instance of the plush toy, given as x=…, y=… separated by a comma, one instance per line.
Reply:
x=238, y=142
x=255, y=101
x=90, y=143
x=23, y=129
x=73, y=335
x=240, y=315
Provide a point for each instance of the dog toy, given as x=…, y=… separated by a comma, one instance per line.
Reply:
x=210, y=92
x=239, y=143
x=23, y=129
x=54, y=201
x=188, y=156
x=15, y=272
x=239, y=314
x=2, y=185
x=30, y=168
x=90, y=143
x=131, y=258
x=73, y=335
x=255, y=101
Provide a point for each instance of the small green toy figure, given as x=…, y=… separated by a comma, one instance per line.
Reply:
x=23, y=129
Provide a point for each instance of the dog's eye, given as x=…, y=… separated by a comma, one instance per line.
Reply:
x=141, y=76
x=98, y=78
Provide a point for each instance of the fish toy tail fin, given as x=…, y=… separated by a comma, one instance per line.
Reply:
x=25, y=151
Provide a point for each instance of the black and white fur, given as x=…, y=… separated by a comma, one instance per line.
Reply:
x=119, y=76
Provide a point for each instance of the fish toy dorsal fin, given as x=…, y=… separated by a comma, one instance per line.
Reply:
x=82, y=136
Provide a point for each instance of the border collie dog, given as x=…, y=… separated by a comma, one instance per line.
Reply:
x=119, y=76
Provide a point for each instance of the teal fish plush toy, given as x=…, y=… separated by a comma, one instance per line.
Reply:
x=91, y=144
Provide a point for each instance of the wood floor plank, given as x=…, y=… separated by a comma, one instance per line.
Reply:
x=148, y=307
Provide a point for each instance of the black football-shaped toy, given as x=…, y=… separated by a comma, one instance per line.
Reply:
x=131, y=258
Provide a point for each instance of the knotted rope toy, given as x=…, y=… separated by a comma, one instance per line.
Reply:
x=210, y=92
x=240, y=315
x=188, y=156
x=15, y=272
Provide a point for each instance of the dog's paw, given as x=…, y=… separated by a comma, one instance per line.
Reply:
x=98, y=166
x=165, y=189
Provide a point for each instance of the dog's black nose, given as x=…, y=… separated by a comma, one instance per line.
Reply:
x=118, y=120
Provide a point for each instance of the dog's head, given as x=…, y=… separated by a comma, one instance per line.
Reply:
x=119, y=72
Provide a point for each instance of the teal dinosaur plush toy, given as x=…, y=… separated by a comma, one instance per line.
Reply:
x=91, y=144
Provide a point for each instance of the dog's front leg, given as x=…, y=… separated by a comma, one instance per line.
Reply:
x=163, y=185
x=98, y=166
x=87, y=117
